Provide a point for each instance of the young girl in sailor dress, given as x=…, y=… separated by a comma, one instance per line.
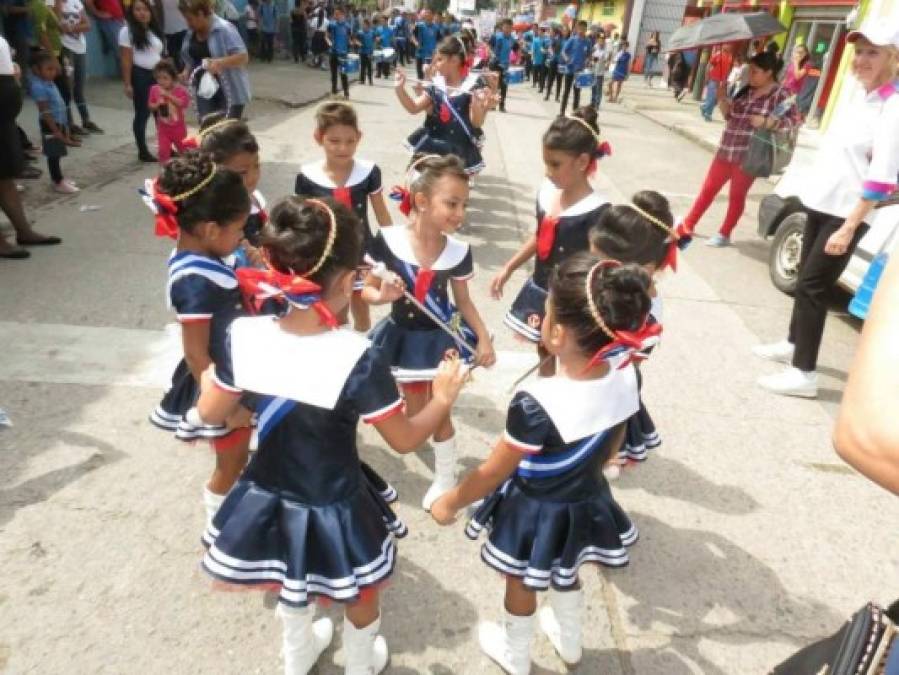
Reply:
x=641, y=232
x=204, y=207
x=429, y=263
x=233, y=146
x=547, y=506
x=456, y=104
x=302, y=518
x=351, y=181
x=566, y=207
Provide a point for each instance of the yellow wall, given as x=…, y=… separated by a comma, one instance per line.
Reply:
x=592, y=12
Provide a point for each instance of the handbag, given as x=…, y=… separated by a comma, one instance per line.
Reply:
x=770, y=151
x=53, y=148
x=865, y=645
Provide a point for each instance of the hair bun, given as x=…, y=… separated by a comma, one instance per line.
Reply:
x=589, y=115
x=624, y=291
x=183, y=173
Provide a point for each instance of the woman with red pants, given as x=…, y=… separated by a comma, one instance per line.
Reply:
x=751, y=108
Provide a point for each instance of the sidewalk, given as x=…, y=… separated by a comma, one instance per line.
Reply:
x=659, y=105
x=102, y=158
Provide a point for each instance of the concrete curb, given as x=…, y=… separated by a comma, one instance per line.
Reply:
x=676, y=128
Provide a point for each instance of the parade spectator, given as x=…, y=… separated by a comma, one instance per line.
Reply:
x=18, y=29
x=168, y=102
x=857, y=168
x=299, y=32
x=739, y=76
x=251, y=21
x=48, y=37
x=74, y=24
x=12, y=161
x=215, y=45
x=175, y=28
x=268, y=24
x=55, y=134
x=602, y=58
x=620, y=71
x=319, y=38
x=752, y=108
x=720, y=65
x=679, y=74
x=141, y=47
x=797, y=70
x=110, y=18
x=651, y=59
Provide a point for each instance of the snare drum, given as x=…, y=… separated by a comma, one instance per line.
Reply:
x=388, y=54
x=378, y=56
x=515, y=75
x=564, y=69
x=585, y=79
x=349, y=64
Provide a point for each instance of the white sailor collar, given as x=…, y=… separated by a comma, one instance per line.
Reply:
x=315, y=171
x=215, y=270
x=548, y=195
x=397, y=240
x=310, y=369
x=467, y=84
x=581, y=408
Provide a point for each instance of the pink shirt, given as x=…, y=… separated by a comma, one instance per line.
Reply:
x=793, y=80
x=173, y=121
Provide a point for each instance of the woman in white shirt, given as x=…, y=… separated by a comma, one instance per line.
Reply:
x=141, y=48
x=73, y=24
x=859, y=168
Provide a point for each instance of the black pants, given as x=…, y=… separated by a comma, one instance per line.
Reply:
x=553, y=76
x=268, y=47
x=401, y=51
x=818, y=272
x=576, y=100
x=53, y=163
x=298, y=45
x=173, y=43
x=420, y=68
x=503, y=89
x=141, y=81
x=527, y=66
x=539, y=77
x=365, y=68
x=382, y=69
x=344, y=80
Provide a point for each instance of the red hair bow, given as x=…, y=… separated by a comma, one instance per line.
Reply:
x=166, y=224
x=602, y=150
x=404, y=197
x=627, y=342
x=259, y=285
x=190, y=143
x=344, y=196
x=546, y=236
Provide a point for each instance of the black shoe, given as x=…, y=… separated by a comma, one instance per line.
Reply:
x=43, y=241
x=146, y=157
x=16, y=254
x=93, y=128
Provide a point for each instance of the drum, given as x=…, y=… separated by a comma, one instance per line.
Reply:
x=389, y=54
x=349, y=64
x=515, y=75
x=585, y=79
x=564, y=69
x=378, y=56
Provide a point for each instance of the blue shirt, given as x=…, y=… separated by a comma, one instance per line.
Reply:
x=502, y=48
x=46, y=92
x=622, y=65
x=339, y=33
x=426, y=34
x=386, y=35
x=538, y=47
x=399, y=26
x=575, y=52
x=268, y=17
x=367, y=38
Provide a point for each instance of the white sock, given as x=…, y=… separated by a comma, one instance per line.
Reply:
x=212, y=501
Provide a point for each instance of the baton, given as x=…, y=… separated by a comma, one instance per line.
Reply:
x=380, y=270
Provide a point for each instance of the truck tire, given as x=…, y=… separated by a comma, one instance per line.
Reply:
x=783, y=258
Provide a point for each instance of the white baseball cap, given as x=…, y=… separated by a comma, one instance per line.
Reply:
x=881, y=32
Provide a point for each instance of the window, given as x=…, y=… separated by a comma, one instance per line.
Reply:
x=608, y=8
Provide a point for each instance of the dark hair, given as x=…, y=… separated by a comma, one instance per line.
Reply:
x=335, y=113
x=140, y=34
x=623, y=233
x=432, y=168
x=620, y=293
x=226, y=141
x=195, y=7
x=453, y=45
x=167, y=67
x=582, y=24
x=296, y=233
x=570, y=136
x=40, y=57
x=506, y=22
x=222, y=200
x=767, y=61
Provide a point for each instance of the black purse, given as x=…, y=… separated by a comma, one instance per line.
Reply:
x=53, y=147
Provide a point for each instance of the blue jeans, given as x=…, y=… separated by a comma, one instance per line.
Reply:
x=110, y=29
x=596, y=95
x=711, y=98
x=649, y=66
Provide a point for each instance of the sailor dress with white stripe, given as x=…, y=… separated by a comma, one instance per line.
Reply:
x=642, y=435
x=557, y=512
x=303, y=517
x=200, y=289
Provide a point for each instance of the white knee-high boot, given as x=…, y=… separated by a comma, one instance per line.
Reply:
x=444, y=471
x=304, y=639
x=562, y=620
x=212, y=501
x=364, y=650
x=509, y=642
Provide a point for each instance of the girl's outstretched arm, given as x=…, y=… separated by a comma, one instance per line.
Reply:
x=412, y=105
x=379, y=206
x=486, y=356
x=525, y=253
x=501, y=464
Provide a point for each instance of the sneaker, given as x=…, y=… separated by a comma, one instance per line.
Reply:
x=781, y=352
x=718, y=241
x=791, y=382
x=65, y=187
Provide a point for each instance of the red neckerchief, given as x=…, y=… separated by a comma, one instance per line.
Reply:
x=423, y=280
x=445, y=114
x=344, y=196
x=546, y=230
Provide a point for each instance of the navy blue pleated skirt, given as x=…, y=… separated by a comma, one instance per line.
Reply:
x=527, y=312
x=425, y=141
x=545, y=542
x=261, y=537
x=415, y=355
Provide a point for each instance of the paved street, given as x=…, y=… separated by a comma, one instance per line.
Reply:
x=755, y=538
